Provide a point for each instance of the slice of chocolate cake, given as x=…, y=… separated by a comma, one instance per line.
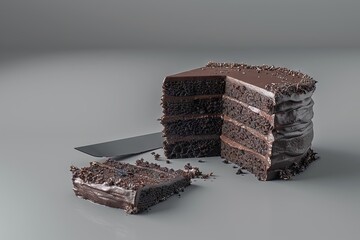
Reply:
x=122, y=185
x=259, y=117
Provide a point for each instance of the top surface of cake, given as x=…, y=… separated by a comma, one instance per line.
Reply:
x=126, y=176
x=271, y=78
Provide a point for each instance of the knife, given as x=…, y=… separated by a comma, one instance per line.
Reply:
x=124, y=147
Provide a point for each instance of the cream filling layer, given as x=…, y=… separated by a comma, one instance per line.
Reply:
x=128, y=196
x=263, y=114
x=242, y=147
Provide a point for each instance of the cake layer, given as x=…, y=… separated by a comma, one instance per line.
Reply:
x=152, y=195
x=193, y=85
x=235, y=89
x=245, y=159
x=241, y=134
x=237, y=111
x=256, y=165
x=208, y=104
x=194, y=126
x=189, y=148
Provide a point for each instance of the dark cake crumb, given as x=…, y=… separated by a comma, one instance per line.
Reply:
x=235, y=166
x=188, y=166
x=152, y=153
x=201, y=161
x=168, y=161
x=240, y=172
x=226, y=161
x=157, y=156
x=206, y=176
x=194, y=172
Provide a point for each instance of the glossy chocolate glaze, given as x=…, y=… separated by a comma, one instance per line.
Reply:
x=266, y=77
x=293, y=131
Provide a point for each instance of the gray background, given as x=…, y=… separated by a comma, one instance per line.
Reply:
x=49, y=24
x=77, y=73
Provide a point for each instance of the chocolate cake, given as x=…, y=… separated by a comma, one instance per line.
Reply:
x=259, y=117
x=133, y=188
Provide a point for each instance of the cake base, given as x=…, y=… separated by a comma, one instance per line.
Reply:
x=193, y=148
x=258, y=167
x=245, y=160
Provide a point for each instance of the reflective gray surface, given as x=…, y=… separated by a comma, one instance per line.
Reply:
x=52, y=102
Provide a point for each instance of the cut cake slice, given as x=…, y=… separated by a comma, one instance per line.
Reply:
x=133, y=188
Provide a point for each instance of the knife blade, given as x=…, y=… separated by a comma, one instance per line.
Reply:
x=124, y=147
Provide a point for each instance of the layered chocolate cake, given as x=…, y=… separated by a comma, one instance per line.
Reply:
x=259, y=117
x=133, y=188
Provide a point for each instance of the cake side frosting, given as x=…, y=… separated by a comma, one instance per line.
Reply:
x=293, y=127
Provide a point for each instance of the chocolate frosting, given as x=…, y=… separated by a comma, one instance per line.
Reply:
x=293, y=132
x=271, y=78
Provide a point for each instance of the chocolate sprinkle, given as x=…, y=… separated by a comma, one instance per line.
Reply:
x=240, y=172
x=194, y=172
x=306, y=83
x=157, y=156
